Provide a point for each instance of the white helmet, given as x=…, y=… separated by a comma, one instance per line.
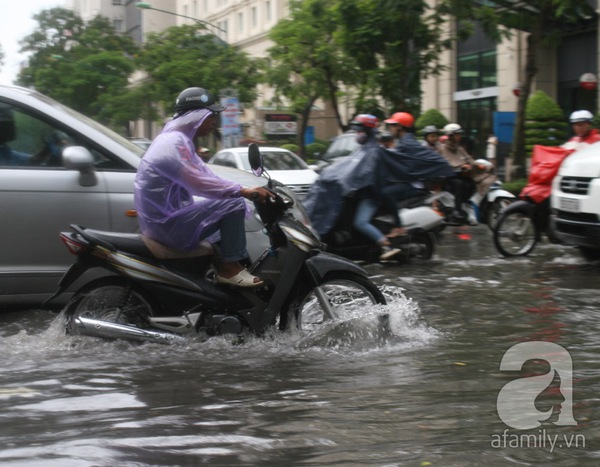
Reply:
x=581, y=116
x=453, y=129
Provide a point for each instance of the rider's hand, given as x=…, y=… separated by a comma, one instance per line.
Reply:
x=257, y=193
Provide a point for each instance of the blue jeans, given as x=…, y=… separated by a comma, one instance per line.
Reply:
x=365, y=210
x=233, y=236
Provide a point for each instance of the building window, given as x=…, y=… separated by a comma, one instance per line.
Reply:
x=117, y=2
x=241, y=22
x=268, y=13
x=117, y=25
x=254, y=17
x=223, y=29
x=477, y=70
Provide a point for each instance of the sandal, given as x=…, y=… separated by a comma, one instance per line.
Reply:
x=241, y=279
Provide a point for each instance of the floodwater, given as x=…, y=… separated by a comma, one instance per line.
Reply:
x=433, y=394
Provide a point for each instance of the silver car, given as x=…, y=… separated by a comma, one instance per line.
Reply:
x=44, y=188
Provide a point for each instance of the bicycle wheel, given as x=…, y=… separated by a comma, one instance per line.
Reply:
x=515, y=233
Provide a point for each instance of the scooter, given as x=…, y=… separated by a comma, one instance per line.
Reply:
x=486, y=204
x=163, y=300
x=417, y=216
x=521, y=225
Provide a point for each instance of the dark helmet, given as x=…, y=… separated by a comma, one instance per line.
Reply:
x=364, y=122
x=385, y=137
x=430, y=129
x=196, y=98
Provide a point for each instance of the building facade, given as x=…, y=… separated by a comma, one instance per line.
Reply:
x=478, y=89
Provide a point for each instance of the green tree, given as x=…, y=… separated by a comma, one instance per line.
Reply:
x=185, y=56
x=544, y=20
x=85, y=66
x=544, y=122
x=305, y=62
x=431, y=117
x=395, y=46
x=372, y=47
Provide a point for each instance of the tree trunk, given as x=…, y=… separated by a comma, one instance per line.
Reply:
x=304, y=116
x=518, y=149
x=334, y=103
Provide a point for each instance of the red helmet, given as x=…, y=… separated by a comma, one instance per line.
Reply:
x=365, y=121
x=401, y=118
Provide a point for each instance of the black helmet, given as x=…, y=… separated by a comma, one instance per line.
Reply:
x=196, y=98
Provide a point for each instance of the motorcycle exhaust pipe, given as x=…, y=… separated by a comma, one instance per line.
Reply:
x=98, y=328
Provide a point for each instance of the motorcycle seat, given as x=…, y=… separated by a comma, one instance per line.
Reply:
x=141, y=245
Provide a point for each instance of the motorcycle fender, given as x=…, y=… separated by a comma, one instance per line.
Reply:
x=74, y=272
x=421, y=217
x=519, y=206
x=323, y=263
x=493, y=195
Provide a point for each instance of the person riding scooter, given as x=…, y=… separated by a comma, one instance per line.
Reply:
x=462, y=185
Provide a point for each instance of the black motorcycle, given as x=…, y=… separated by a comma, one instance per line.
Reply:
x=160, y=300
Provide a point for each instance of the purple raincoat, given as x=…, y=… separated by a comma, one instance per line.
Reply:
x=169, y=174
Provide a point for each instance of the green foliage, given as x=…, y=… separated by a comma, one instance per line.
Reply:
x=515, y=186
x=431, y=117
x=544, y=122
x=88, y=67
x=314, y=148
x=291, y=147
x=185, y=56
x=85, y=66
x=394, y=48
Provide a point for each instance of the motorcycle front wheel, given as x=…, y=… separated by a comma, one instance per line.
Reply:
x=347, y=294
x=515, y=234
x=495, y=211
x=112, y=300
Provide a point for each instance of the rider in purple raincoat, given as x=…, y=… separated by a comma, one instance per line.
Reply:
x=171, y=173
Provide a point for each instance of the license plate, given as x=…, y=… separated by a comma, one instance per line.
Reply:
x=569, y=204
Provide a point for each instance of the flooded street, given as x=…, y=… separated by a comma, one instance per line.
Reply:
x=427, y=396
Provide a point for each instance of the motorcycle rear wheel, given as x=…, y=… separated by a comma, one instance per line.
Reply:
x=422, y=245
x=113, y=300
x=515, y=234
x=348, y=293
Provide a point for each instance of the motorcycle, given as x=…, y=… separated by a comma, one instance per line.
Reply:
x=148, y=298
x=486, y=204
x=521, y=225
x=417, y=216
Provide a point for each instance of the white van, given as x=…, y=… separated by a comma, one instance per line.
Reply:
x=576, y=201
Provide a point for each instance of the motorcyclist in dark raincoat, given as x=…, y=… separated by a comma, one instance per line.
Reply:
x=366, y=173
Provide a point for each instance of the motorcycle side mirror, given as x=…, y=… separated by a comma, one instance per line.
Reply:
x=255, y=159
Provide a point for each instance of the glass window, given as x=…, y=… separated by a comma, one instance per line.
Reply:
x=477, y=70
x=29, y=142
x=476, y=117
x=277, y=160
x=225, y=159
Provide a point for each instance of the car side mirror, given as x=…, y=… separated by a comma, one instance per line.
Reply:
x=255, y=159
x=80, y=159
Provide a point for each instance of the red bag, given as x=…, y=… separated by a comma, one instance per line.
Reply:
x=545, y=162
